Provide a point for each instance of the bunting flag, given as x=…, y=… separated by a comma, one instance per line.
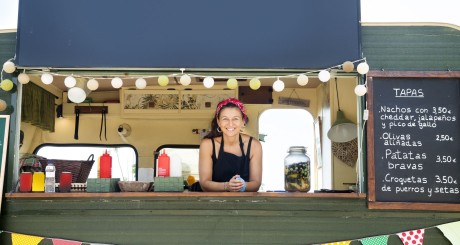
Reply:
x=376, y=240
x=21, y=239
x=64, y=242
x=337, y=243
x=451, y=231
x=414, y=237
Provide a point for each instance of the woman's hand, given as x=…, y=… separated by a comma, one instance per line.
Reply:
x=235, y=184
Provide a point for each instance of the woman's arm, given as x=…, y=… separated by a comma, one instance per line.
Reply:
x=255, y=166
x=205, y=168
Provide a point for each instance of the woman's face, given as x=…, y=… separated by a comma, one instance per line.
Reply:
x=230, y=121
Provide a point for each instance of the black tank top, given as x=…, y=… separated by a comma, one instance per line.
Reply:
x=228, y=164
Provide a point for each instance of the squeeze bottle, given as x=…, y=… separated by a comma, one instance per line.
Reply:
x=163, y=164
x=105, y=166
x=50, y=177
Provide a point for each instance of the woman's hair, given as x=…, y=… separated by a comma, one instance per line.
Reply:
x=228, y=103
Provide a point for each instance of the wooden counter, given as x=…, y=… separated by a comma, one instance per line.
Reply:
x=211, y=218
x=183, y=194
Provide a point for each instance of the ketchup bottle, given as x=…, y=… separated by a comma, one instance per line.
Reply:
x=105, y=166
x=163, y=164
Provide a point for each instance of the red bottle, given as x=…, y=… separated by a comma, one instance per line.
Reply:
x=105, y=166
x=163, y=164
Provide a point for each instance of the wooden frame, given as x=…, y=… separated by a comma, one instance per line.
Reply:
x=372, y=199
x=4, y=130
x=176, y=103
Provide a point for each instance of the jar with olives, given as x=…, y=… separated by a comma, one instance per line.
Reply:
x=297, y=170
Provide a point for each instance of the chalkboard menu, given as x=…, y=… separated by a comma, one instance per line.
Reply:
x=414, y=142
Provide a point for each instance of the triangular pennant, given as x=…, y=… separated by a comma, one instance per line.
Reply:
x=337, y=243
x=451, y=231
x=414, y=237
x=21, y=239
x=64, y=242
x=376, y=240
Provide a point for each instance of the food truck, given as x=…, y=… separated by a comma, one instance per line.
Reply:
x=105, y=90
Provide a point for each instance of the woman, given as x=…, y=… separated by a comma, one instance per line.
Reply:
x=230, y=160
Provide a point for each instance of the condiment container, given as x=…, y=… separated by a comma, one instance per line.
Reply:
x=297, y=170
x=105, y=165
x=163, y=164
x=38, y=182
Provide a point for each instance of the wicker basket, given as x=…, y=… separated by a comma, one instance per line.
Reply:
x=79, y=168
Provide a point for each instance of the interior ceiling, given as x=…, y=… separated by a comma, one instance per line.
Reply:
x=105, y=83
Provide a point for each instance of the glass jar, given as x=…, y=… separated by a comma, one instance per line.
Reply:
x=297, y=170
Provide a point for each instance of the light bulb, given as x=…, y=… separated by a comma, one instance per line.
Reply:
x=163, y=80
x=141, y=83
x=324, y=76
x=208, y=82
x=92, y=84
x=47, y=78
x=254, y=84
x=6, y=85
x=76, y=95
x=348, y=66
x=185, y=80
x=117, y=82
x=360, y=90
x=232, y=83
x=9, y=67
x=278, y=85
x=362, y=68
x=3, y=105
x=70, y=81
x=23, y=78
x=302, y=79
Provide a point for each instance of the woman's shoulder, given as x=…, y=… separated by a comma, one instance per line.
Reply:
x=246, y=139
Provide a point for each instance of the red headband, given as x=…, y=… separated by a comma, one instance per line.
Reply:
x=234, y=101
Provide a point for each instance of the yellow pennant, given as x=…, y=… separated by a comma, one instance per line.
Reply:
x=337, y=243
x=21, y=239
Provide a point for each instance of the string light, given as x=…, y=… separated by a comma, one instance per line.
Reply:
x=117, y=82
x=360, y=90
x=141, y=83
x=363, y=68
x=302, y=80
x=9, y=67
x=70, y=82
x=232, y=83
x=6, y=85
x=47, y=78
x=254, y=84
x=92, y=84
x=323, y=75
x=23, y=78
x=278, y=85
x=163, y=80
x=185, y=79
x=208, y=82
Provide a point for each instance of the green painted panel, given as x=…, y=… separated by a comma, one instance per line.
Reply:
x=411, y=48
x=214, y=220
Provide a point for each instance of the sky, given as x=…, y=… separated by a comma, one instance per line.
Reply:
x=439, y=11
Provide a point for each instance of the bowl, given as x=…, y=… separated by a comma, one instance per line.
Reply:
x=134, y=186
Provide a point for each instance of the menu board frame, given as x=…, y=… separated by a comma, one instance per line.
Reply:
x=373, y=202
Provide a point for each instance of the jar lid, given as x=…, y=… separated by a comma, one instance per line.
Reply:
x=297, y=149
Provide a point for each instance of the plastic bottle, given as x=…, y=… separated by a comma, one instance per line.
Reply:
x=163, y=164
x=175, y=166
x=105, y=165
x=50, y=177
